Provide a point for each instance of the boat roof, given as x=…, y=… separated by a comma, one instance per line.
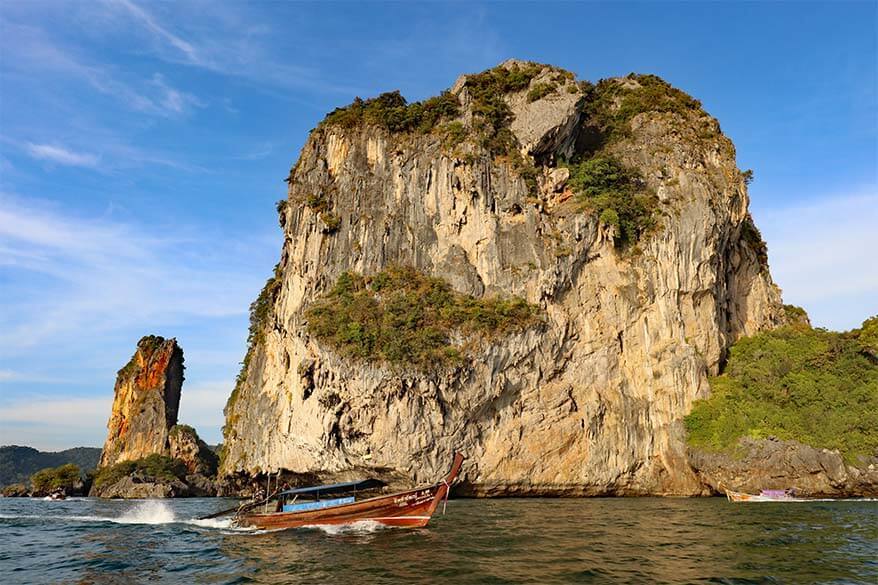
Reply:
x=360, y=484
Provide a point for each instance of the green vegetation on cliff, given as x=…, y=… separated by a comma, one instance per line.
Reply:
x=154, y=467
x=612, y=103
x=64, y=476
x=541, y=90
x=616, y=194
x=753, y=237
x=15, y=490
x=391, y=112
x=491, y=115
x=179, y=429
x=147, y=345
x=813, y=386
x=402, y=316
x=796, y=316
x=260, y=311
x=867, y=336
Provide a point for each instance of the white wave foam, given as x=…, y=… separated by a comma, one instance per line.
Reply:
x=217, y=523
x=359, y=527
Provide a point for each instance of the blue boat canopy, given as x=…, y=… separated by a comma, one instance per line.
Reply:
x=333, y=488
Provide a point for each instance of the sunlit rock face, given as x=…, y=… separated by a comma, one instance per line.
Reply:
x=588, y=403
x=146, y=402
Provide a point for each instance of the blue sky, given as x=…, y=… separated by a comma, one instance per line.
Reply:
x=143, y=146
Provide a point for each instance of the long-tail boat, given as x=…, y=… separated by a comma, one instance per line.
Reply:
x=788, y=495
x=307, y=506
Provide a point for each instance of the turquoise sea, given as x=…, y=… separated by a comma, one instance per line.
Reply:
x=541, y=541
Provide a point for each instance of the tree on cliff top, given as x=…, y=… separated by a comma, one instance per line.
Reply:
x=52, y=478
x=817, y=387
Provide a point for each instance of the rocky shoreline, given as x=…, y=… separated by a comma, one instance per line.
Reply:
x=775, y=464
x=754, y=465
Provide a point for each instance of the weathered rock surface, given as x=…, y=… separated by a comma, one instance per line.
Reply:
x=146, y=402
x=187, y=446
x=769, y=464
x=200, y=461
x=143, y=423
x=589, y=404
x=136, y=486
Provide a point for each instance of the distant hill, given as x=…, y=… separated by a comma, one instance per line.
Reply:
x=18, y=463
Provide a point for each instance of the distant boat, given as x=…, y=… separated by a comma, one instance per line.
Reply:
x=307, y=506
x=787, y=495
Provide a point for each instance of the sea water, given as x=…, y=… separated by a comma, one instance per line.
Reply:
x=541, y=541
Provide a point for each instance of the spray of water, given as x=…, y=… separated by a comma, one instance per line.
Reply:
x=148, y=512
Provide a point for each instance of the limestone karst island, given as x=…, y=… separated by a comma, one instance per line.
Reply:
x=558, y=279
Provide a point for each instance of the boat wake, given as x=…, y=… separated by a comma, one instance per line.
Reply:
x=359, y=527
x=145, y=513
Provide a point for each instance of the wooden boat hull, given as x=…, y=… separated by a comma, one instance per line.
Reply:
x=742, y=497
x=410, y=509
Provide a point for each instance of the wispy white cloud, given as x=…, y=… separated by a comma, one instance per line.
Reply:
x=20, y=376
x=112, y=156
x=70, y=274
x=61, y=155
x=77, y=412
x=60, y=422
x=174, y=100
x=258, y=152
x=234, y=43
x=822, y=254
x=30, y=50
x=54, y=423
x=147, y=20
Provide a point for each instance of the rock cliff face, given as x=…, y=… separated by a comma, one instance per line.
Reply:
x=147, y=454
x=774, y=464
x=147, y=399
x=186, y=446
x=137, y=486
x=588, y=403
x=200, y=462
